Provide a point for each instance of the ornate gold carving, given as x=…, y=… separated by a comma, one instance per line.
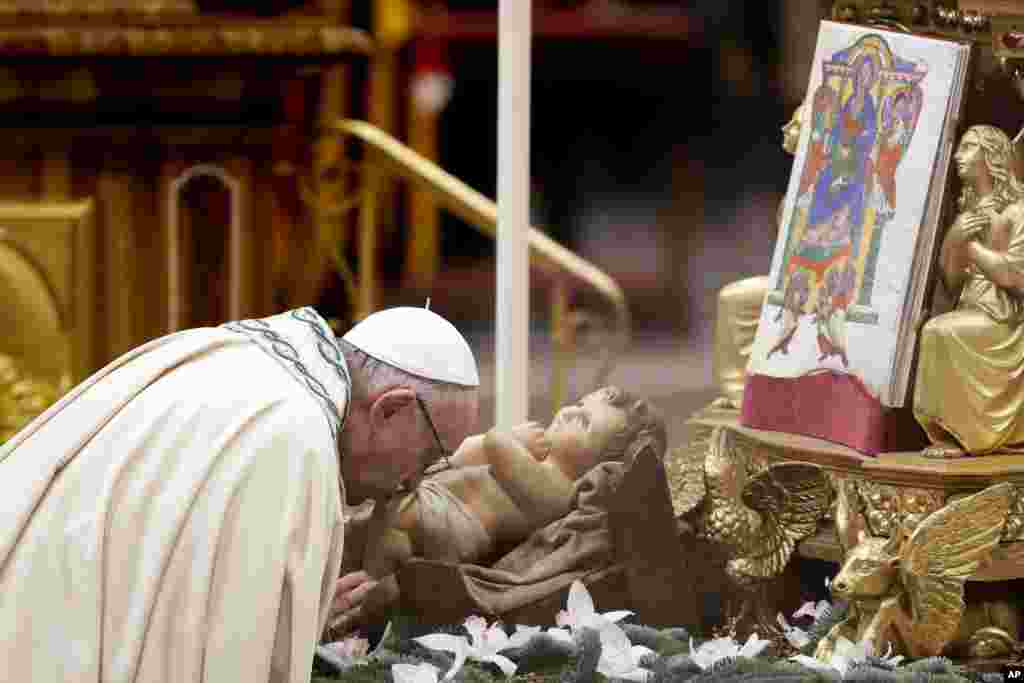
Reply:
x=183, y=38
x=759, y=511
x=848, y=511
x=47, y=282
x=724, y=488
x=888, y=508
x=684, y=469
x=93, y=7
x=907, y=590
x=1014, y=530
x=22, y=397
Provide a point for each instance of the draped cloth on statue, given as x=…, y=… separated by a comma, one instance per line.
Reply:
x=448, y=529
x=548, y=561
x=970, y=376
x=177, y=517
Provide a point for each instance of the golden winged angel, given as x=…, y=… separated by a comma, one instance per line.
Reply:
x=759, y=515
x=907, y=590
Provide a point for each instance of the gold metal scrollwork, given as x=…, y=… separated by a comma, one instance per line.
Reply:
x=888, y=508
x=744, y=496
x=22, y=397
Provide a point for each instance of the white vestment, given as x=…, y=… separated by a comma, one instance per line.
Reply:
x=177, y=517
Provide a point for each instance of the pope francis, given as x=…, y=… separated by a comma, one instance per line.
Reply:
x=178, y=516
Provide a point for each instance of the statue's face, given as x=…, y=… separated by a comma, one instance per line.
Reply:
x=580, y=433
x=970, y=158
x=791, y=131
x=867, y=571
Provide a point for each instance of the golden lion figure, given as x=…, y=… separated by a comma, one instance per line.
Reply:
x=907, y=591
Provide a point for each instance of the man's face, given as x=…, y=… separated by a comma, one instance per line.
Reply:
x=400, y=443
x=580, y=433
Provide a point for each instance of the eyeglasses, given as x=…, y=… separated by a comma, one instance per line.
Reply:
x=444, y=452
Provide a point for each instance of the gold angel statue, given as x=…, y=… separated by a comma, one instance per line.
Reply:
x=907, y=590
x=759, y=517
x=969, y=395
x=740, y=302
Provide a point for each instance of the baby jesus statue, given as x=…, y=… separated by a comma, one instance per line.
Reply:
x=500, y=487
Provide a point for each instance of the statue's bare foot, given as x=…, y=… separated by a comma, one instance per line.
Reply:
x=943, y=451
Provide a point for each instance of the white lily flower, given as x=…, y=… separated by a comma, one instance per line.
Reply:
x=580, y=612
x=796, y=636
x=483, y=645
x=523, y=634
x=561, y=634
x=812, y=663
x=619, y=658
x=846, y=654
x=351, y=648
x=720, y=648
x=811, y=609
x=414, y=673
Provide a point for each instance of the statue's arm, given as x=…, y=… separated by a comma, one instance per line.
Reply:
x=470, y=452
x=389, y=545
x=996, y=267
x=473, y=452
x=1002, y=260
x=540, y=496
x=954, y=256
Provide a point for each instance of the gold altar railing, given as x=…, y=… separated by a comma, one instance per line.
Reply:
x=565, y=269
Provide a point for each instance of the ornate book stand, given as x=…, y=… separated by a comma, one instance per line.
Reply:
x=909, y=533
x=764, y=495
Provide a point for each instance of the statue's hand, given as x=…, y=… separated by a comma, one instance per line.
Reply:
x=532, y=436
x=971, y=225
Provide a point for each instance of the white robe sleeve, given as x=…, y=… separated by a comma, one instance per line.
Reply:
x=178, y=520
x=278, y=556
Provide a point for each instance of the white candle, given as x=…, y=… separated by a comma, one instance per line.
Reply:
x=513, y=294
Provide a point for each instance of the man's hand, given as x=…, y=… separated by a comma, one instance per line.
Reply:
x=531, y=435
x=350, y=593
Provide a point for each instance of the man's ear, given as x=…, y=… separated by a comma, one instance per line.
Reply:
x=389, y=404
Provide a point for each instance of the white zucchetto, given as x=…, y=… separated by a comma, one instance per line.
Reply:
x=417, y=341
